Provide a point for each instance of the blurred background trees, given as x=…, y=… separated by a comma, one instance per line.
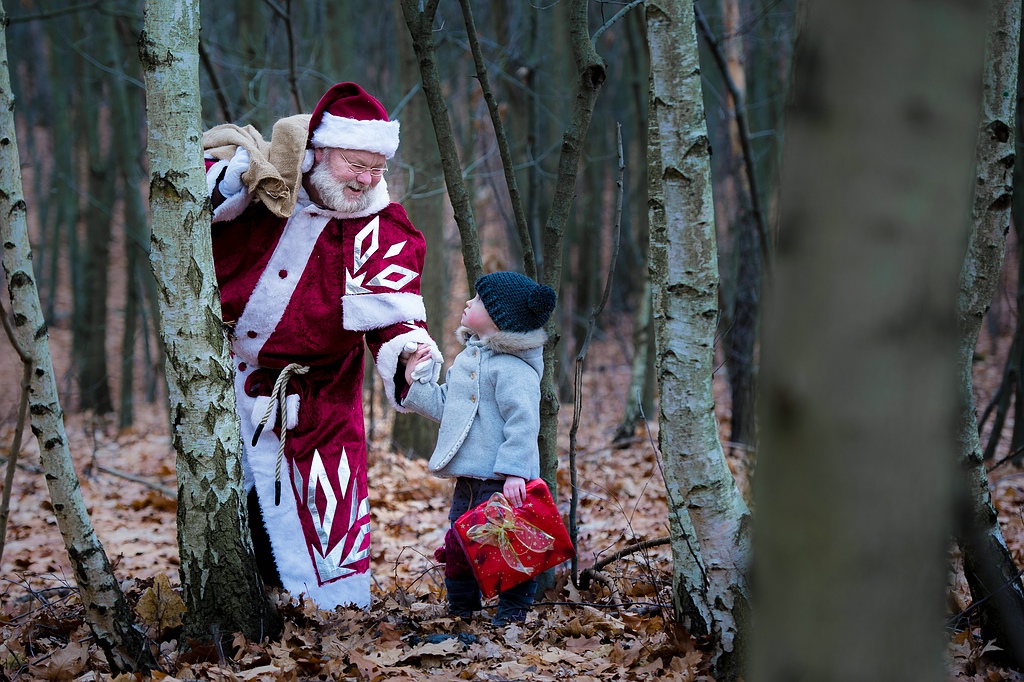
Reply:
x=81, y=118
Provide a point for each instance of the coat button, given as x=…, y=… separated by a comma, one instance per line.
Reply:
x=251, y=334
x=473, y=398
x=472, y=375
x=282, y=274
x=241, y=367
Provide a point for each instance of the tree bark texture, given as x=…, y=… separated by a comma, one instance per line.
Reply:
x=219, y=579
x=411, y=433
x=711, y=552
x=988, y=565
x=854, y=484
x=106, y=611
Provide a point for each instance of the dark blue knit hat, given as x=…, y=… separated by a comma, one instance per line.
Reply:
x=515, y=302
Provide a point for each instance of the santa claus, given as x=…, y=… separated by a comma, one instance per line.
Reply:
x=303, y=286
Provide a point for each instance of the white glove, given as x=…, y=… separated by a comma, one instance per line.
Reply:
x=232, y=182
x=408, y=349
x=429, y=369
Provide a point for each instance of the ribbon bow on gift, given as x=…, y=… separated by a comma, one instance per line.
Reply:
x=501, y=524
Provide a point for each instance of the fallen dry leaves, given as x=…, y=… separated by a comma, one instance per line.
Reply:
x=406, y=635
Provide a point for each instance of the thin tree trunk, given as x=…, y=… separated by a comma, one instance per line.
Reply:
x=858, y=388
x=219, y=578
x=639, y=399
x=988, y=566
x=106, y=611
x=101, y=187
x=421, y=28
x=590, y=75
x=413, y=434
x=126, y=127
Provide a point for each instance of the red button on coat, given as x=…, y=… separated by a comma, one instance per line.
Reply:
x=241, y=367
x=282, y=274
x=251, y=334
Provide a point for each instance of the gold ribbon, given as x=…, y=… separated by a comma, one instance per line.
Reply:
x=501, y=525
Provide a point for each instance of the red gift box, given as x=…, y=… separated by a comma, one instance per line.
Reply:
x=508, y=545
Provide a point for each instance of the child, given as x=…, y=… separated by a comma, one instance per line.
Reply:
x=489, y=409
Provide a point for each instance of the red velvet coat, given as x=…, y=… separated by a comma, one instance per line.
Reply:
x=309, y=290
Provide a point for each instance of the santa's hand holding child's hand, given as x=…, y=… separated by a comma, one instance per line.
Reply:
x=515, y=490
x=419, y=365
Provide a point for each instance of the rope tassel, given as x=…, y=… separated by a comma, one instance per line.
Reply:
x=278, y=397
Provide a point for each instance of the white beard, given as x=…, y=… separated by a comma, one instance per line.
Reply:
x=332, y=192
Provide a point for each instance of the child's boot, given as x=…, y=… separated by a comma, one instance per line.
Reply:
x=463, y=592
x=463, y=597
x=514, y=603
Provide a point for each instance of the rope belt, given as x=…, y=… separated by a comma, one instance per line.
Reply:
x=278, y=395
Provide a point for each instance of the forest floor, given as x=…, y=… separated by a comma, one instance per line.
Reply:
x=128, y=483
x=406, y=635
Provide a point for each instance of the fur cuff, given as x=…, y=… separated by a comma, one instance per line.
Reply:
x=387, y=360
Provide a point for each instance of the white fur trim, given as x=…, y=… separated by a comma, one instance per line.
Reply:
x=259, y=408
x=351, y=591
x=307, y=161
x=380, y=137
x=282, y=521
x=363, y=312
x=387, y=360
x=291, y=410
x=232, y=208
x=213, y=174
x=273, y=293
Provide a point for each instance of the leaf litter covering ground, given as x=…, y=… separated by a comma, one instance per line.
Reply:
x=406, y=635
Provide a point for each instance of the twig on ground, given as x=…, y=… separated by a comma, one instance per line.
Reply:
x=172, y=494
x=609, y=584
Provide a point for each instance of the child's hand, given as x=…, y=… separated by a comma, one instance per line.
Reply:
x=421, y=353
x=515, y=490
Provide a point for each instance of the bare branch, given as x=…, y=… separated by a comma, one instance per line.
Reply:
x=618, y=15
x=740, y=110
x=420, y=25
x=529, y=260
x=218, y=89
x=581, y=356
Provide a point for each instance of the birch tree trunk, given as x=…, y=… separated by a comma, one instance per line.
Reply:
x=221, y=586
x=709, y=522
x=988, y=566
x=858, y=394
x=412, y=434
x=106, y=611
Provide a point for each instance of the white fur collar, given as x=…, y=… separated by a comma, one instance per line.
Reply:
x=505, y=342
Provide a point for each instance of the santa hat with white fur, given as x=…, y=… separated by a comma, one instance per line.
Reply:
x=348, y=117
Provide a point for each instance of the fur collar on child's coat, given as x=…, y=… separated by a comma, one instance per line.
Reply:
x=506, y=342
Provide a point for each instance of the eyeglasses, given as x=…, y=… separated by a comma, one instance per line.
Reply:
x=359, y=169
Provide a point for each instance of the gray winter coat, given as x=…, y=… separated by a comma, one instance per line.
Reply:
x=489, y=407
